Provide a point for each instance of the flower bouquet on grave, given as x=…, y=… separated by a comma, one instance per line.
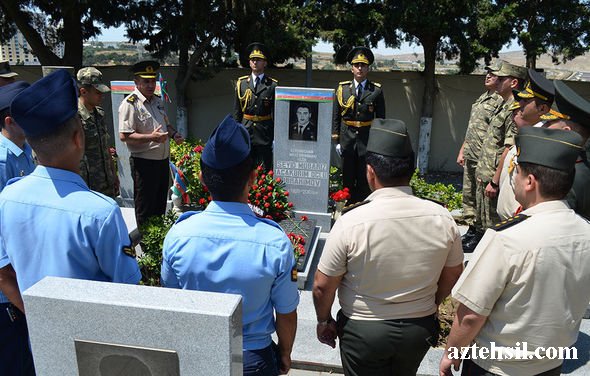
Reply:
x=340, y=197
x=185, y=170
x=270, y=196
x=300, y=232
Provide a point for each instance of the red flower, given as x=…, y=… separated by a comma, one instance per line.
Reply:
x=268, y=216
x=304, y=217
x=205, y=189
x=287, y=193
x=278, y=180
x=270, y=173
x=260, y=182
x=257, y=202
x=258, y=194
x=202, y=201
x=269, y=188
x=290, y=204
x=263, y=176
x=267, y=205
x=259, y=168
x=254, y=187
x=198, y=149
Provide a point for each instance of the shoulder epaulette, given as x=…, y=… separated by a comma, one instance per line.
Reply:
x=132, y=98
x=510, y=222
x=377, y=84
x=157, y=95
x=354, y=206
x=277, y=81
x=243, y=77
x=344, y=82
x=185, y=215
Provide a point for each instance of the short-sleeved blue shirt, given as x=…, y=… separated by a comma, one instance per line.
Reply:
x=226, y=248
x=14, y=161
x=52, y=224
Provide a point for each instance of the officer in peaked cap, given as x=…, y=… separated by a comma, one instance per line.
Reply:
x=572, y=112
x=356, y=104
x=536, y=98
x=71, y=231
x=387, y=321
x=145, y=128
x=537, y=256
x=258, y=256
x=15, y=160
x=6, y=75
x=254, y=105
x=97, y=167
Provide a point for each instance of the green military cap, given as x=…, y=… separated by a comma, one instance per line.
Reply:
x=256, y=50
x=360, y=55
x=495, y=66
x=92, y=76
x=5, y=71
x=568, y=105
x=537, y=87
x=389, y=137
x=554, y=148
x=146, y=69
x=511, y=70
x=48, y=69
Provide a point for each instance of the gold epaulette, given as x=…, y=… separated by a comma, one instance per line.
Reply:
x=510, y=222
x=274, y=80
x=132, y=98
x=354, y=206
x=376, y=84
x=243, y=77
x=344, y=82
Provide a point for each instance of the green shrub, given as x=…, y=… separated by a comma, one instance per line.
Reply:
x=153, y=233
x=446, y=195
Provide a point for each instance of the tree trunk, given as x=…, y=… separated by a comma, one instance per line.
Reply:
x=183, y=70
x=430, y=45
x=531, y=61
x=73, y=48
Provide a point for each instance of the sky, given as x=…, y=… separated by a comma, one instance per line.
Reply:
x=118, y=34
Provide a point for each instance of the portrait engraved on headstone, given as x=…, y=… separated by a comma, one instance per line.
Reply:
x=303, y=121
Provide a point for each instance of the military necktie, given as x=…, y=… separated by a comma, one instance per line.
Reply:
x=359, y=92
x=300, y=130
x=256, y=82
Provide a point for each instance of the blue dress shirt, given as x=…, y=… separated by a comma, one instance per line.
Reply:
x=52, y=224
x=227, y=249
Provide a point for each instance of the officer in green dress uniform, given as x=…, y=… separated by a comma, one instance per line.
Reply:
x=357, y=103
x=254, y=105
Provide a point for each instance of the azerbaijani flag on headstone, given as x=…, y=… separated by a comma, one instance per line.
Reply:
x=179, y=184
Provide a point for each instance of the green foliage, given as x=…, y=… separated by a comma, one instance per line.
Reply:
x=446, y=195
x=153, y=233
x=335, y=179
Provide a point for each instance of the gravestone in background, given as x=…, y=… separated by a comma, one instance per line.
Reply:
x=302, y=160
x=89, y=328
x=119, y=90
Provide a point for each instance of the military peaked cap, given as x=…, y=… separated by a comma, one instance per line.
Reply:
x=554, y=148
x=389, y=137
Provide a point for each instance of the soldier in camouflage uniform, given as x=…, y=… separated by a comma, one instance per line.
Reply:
x=494, y=147
x=254, y=105
x=479, y=120
x=97, y=166
x=357, y=103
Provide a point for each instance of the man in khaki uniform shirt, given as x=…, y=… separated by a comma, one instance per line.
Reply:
x=393, y=259
x=534, y=103
x=144, y=127
x=528, y=280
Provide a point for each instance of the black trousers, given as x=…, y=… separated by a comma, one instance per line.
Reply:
x=150, y=187
x=262, y=155
x=353, y=142
x=472, y=369
x=15, y=353
x=385, y=347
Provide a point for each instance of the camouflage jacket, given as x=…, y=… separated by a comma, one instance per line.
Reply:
x=481, y=112
x=501, y=135
x=96, y=167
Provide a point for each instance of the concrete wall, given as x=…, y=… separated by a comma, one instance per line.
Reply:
x=212, y=99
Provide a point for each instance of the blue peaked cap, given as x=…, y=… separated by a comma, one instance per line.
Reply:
x=228, y=145
x=44, y=106
x=8, y=92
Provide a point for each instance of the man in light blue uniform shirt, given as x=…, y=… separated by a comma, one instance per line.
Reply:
x=227, y=249
x=51, y=223
x=16, y=156
x=15, y=160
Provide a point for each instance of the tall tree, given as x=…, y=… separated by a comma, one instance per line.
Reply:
x=557, y=27
x=205, y=34
x=45, y=23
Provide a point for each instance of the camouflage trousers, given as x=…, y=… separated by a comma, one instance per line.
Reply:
x=469, y=188
x=486, y=215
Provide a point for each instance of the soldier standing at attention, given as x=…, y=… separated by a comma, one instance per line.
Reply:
x=479, y=121
x=144, y=127
x=357, y=103
x=498, y=140
x=254, y=105
x=96, y=167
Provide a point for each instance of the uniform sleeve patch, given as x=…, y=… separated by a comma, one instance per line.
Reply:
x=510, y=222
x=129, y=251
x=132, y=98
